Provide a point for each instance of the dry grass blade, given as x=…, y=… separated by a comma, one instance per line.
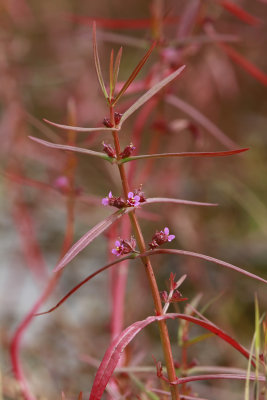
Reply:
x=97, y=63
x=134, y=74
x=150, y=93
x=71, y=148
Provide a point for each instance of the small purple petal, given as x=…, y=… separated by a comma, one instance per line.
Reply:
x=171, y=237
x=117, y=243
x=114, y=251
x=130, y=195
x=166, y=231
x=110, y=195
x=105, y=201
x=136, y=198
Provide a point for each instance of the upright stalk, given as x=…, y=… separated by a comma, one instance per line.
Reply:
x=164, y=335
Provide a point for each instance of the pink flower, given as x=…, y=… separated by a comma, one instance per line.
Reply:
x=133, y=200
x=124, y=247
x=106, y=200
x=160, y=238
x=170, y=237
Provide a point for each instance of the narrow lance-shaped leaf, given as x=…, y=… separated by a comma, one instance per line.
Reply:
x=89, y=237
x=134, y=73
x=204, y=257
x=87, y=279
x=177, y=201
x=97, y=63
x=151, y=253
x=79, y=128
x=244, y=63
x=239, y=12
x=117, y=67
x=72, y=148
x=200, y=119
x=114, y=352
x=185, y=154
x=111, y=74
x=242, y=377
x=150, y=93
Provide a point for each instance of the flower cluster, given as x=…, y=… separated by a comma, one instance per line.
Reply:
x=127, y=151
x=124, y=247
x=160, y=238
x=133, y=200
x=117, y=202
x=109, y=150
x=117, y=118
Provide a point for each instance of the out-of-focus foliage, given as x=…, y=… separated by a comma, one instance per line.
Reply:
x=46, y=69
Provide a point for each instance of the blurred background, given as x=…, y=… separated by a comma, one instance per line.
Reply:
x=219, y=103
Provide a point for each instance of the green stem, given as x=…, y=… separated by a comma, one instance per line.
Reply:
x=164, y=335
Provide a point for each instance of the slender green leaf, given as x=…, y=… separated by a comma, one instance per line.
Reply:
x=134, y=73
x=79, y=128
x=176, y=201
x=97, y=63
x=111, y=75
x=117, y=67
x=72, y=148
x=150, y=93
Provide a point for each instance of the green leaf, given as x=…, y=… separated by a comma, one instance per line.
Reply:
x=97, y=63
x=72, y=148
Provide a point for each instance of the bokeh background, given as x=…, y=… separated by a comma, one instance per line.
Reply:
x=47, y=69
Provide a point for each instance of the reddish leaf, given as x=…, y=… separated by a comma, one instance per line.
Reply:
x=151, y=253
x=77, y=287
x=239, y=12
x=113, y=354
x=244, y=63
x=187, y=154
x=204, y=257
x=122, y=23
x=134, y=73
x=89, y=237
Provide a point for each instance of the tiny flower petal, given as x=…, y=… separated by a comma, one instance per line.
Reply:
x=110, y=195
x=105, y=201
x=117, y=243
x=115, y=252
x=171, y=237
x=130, y=195
x=166, y=231
x=136, y=198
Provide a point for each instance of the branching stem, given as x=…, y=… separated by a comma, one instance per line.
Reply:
x=164, y=335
